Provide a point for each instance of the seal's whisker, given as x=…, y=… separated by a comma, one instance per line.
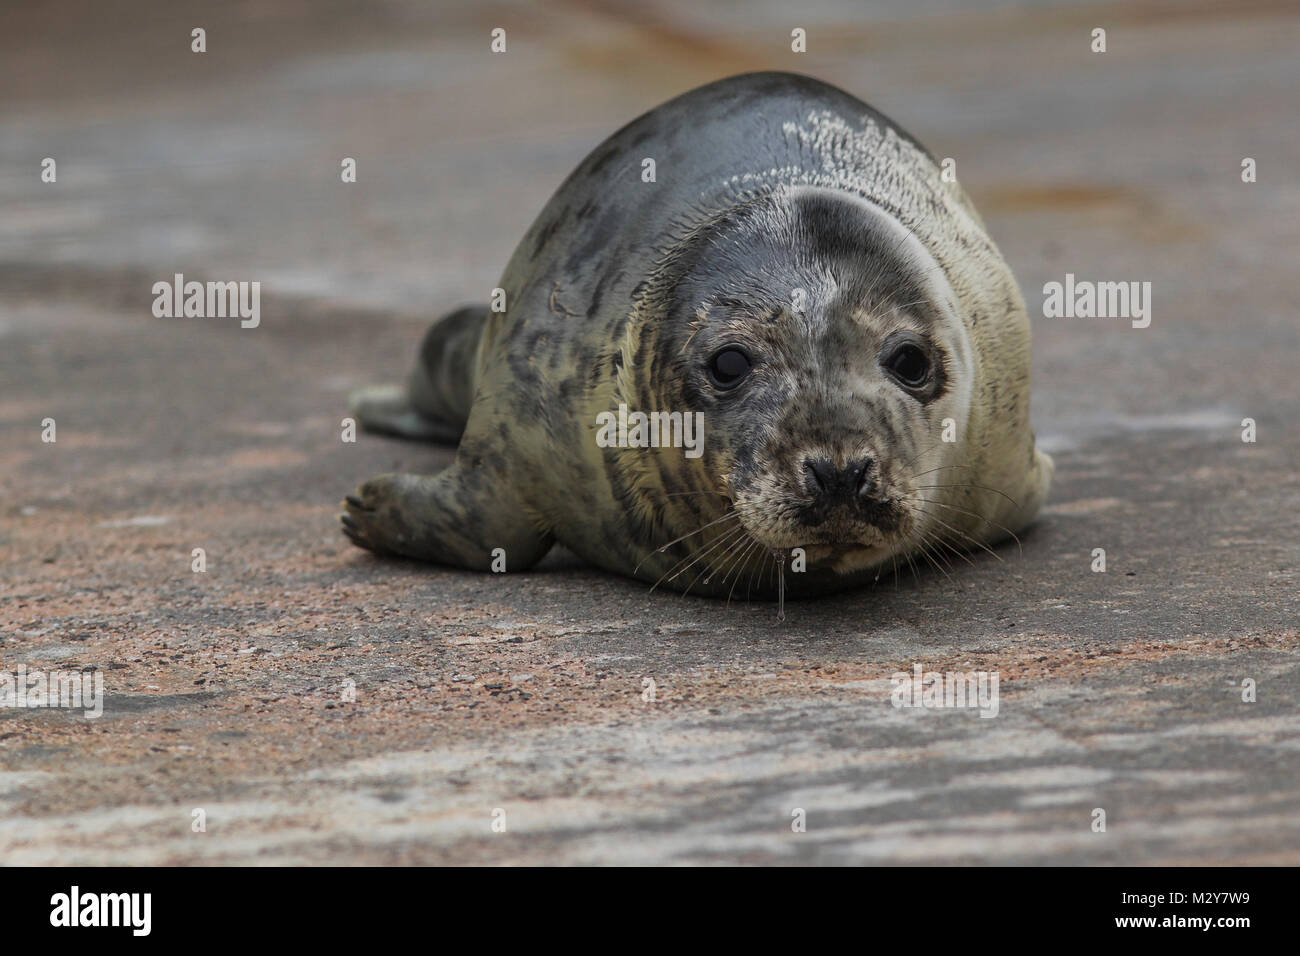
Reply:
x=973, y=485
x=749, y=587
x=739, y=566
x=922, y=474
x=912, y=565
x=1000, y=527
x=925, y=553
x=726, y=535
x=974, y=541
x=676, y=570
x=729, y=535
x=665, y=547
x=922, y=550
x=734, y=552
x=955, y=550
x=937, y=539
x=920, y=454
x=715, y=563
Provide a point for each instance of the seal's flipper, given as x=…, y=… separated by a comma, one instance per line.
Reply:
x=468, y=521
x=442, y=385
x=387, y=409
x=434, y=404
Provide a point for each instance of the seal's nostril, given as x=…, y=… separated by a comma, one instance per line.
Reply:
x=822, y=478
x=816, y=474
x=866, y=479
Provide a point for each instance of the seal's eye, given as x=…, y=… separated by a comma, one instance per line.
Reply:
x=910, y=365
x=728, y=368
x=907, y=360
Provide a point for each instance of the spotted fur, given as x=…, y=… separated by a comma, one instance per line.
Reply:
x=621, y=291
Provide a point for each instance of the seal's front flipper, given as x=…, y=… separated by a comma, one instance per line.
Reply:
x=468, y=521
x=387, y=409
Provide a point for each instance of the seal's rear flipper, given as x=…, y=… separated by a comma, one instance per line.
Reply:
x=387, y=409
x=465, y=520
x=434, y=404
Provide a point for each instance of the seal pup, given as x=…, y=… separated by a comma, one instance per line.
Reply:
x=796, y=275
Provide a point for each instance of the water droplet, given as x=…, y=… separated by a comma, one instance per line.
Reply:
x=780, y=613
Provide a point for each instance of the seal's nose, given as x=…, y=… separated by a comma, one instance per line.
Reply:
x=827, y=482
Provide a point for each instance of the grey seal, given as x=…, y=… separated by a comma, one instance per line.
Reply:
x=799, y=282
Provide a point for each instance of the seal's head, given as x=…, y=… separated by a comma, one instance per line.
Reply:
x=823, y=344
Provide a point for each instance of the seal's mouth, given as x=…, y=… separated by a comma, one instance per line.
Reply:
x=870, y=528
x=843, y=543
x=849, y=552
x=846, y=558
x=844, y=520
x=822, y=552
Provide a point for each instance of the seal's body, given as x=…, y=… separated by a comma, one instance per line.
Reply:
x=798, y=278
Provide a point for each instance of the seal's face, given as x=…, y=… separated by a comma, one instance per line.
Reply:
x=822, y=347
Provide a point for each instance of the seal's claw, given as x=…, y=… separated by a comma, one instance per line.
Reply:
x=426, y=517
x=355, y=520
x=354, y=532
x=371, y=516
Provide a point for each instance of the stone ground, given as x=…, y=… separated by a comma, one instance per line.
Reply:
x=1119, y=690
